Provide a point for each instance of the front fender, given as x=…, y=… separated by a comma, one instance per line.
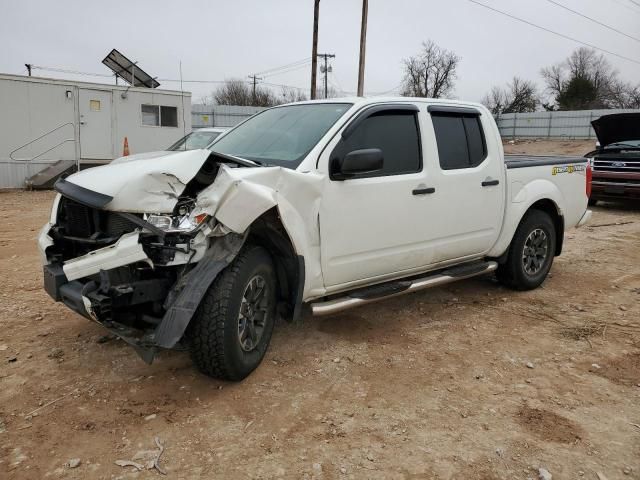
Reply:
x=240, y=196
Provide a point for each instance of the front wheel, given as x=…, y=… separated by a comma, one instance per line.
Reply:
x=530, y=254
x=231, y=330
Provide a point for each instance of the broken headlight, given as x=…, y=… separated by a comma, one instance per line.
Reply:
x=176, y=223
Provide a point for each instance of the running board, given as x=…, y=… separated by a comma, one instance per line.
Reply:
x=393, y=289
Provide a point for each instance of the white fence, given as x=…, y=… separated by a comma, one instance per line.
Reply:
x=220, y=115
x=570, y=124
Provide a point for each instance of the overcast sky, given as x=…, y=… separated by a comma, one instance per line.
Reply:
x=216, y=40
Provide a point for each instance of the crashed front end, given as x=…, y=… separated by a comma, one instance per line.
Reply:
x=128, y=271
x=136, y=244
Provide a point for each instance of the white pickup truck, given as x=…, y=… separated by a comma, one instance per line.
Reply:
x=328, y=204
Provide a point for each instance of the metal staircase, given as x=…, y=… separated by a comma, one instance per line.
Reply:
x=47, y=176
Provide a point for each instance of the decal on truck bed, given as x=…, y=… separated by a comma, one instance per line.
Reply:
x=568, y=169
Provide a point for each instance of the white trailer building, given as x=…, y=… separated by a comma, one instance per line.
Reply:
x=49, y=125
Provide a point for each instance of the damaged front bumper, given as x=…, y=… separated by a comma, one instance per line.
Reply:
x=97, y=286
x=119, y=286
x=96, y=302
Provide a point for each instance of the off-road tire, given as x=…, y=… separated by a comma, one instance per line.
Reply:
x=512, y=273
x=213, y=333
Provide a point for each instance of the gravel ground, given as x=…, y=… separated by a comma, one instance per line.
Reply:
x=471, y=381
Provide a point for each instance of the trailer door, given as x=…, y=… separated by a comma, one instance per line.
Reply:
x=95, y=124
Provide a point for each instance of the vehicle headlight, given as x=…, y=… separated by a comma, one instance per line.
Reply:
x=176, y=223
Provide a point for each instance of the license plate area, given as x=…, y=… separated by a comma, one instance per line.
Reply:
x=54, y=278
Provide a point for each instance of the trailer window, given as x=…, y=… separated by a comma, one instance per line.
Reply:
x=460, y=140
x=150, y=115
x=159, y=116
x=169, y=116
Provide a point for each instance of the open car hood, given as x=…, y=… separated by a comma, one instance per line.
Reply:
x=618, y=127
x=143, y=184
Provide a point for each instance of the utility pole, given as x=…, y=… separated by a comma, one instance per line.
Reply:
x=314, y=49
x=326, y=69
x=363, y=42
x=254, y=87
x=28, y=65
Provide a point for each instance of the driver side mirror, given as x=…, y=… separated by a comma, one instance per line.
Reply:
x=356, y=163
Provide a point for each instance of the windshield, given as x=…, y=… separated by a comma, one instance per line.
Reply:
x=194, y=141
x=283, y=135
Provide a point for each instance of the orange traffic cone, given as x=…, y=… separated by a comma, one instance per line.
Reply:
x=125, y=149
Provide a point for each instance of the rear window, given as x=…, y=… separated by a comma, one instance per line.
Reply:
x=460, y=140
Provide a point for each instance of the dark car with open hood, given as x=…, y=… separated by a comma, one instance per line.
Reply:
x=616, y=161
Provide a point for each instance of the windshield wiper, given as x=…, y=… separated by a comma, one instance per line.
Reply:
x=240, y=161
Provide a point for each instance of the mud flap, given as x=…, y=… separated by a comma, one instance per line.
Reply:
x=185, y=297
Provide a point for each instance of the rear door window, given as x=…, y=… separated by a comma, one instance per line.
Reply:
x=460, y=140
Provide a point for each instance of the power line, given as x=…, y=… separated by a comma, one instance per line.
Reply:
x=337, y=83
x=397, y=87
x=282, y=85
x=627, y=6
x=74, y=72
x=567, y=37
x=174, y=80
x=635, y=3
x=292, y=64
x=594, y=20
x=291, y=69
x=90, y=74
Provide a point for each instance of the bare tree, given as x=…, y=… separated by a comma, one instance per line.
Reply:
x=431, y=73
x=495, y=100
x=523, y=96
x=238, y=92
x=623, y=95
x=331, y=93
x=584, y=80
x=290, y=94
x=517, y=97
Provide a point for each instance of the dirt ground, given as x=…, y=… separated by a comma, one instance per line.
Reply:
x=548, y=147
x=471, y=381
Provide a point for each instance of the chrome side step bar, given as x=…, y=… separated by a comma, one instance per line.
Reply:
x=393, y=289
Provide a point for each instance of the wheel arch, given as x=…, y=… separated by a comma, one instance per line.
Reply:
x=550, y=208
x=516, y=216
x=269, y=232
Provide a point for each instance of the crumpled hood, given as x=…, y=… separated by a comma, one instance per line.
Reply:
x=141, y=156
x=143, y=184
x=618, y=127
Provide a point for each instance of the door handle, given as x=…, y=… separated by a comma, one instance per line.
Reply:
x=423, y=191
x=490, y=183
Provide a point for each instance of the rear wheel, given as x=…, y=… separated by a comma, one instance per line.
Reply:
x=232, y=328
x=530, y=254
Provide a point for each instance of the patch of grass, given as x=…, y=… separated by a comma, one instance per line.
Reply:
x=582, y=332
